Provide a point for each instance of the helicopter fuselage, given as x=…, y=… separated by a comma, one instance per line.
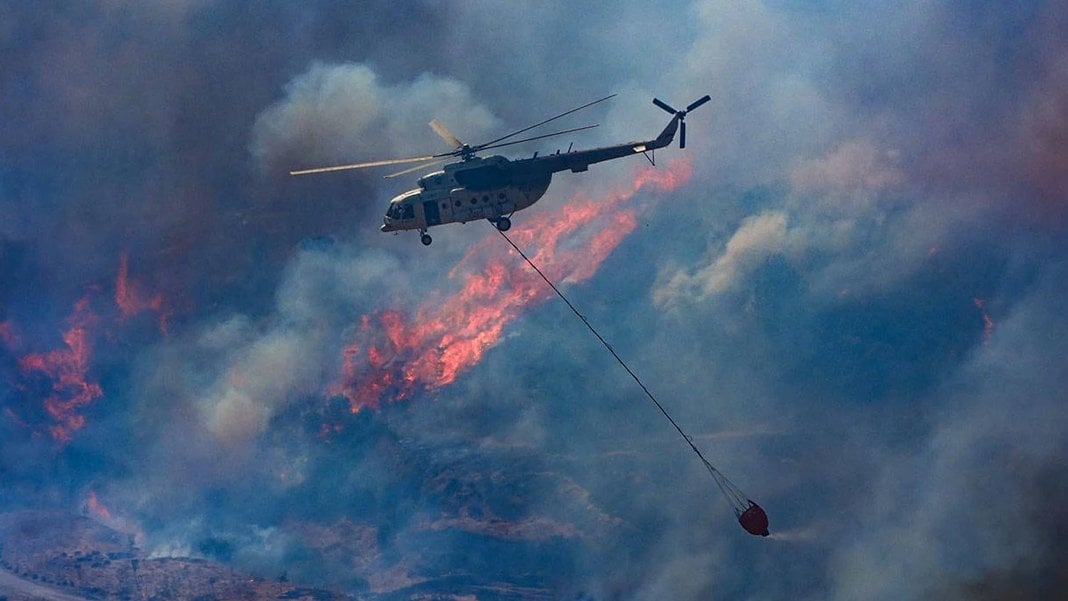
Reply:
x=494, y=187
x=477, y=188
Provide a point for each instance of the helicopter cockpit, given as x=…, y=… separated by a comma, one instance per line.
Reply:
x=401, y=209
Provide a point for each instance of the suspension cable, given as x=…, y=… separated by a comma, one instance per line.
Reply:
x=730, y=491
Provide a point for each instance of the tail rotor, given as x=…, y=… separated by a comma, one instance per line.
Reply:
x=681, y=115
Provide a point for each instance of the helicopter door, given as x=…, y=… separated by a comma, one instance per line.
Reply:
x=430, y=211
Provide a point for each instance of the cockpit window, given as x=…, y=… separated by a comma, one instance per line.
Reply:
x=401, y=211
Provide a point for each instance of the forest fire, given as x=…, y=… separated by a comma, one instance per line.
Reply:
x=67, y=369
x=96, y=508
x=395, y=354
x=131, y=299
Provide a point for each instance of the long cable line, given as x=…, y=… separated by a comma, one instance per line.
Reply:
x=738, y=500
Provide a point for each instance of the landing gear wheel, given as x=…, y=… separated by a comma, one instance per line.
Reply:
x=426, y=239
x=504, y=223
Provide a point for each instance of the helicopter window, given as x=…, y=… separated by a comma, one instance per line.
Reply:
x=500, y=195
x=457, y=202
x=473, y=200
x=408, y=213
x=485, y=198
x=444, y=205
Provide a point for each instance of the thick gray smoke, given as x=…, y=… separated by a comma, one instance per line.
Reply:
x=854, y=304
x=333, y=113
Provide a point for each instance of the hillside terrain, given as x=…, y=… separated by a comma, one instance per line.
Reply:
x=61, y=557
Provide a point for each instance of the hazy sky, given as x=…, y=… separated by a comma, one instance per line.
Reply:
x=850, y=287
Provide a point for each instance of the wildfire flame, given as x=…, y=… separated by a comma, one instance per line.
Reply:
x=131, y=299
x=396, y=355
x=96, y=508
x=67, y=368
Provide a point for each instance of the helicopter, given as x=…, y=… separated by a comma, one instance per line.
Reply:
x=494, y=187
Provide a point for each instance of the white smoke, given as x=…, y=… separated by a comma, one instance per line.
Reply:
x=344, y=113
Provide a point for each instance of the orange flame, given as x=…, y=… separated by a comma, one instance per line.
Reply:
x=131, y=298
x=96, y=508
x=394, y=356
x=67, y=369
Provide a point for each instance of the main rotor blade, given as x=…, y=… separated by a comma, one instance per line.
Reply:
x=664, y=105
x=445, y=134
x=698, y=102
x=416, y=168
x=682, y=134
x=365, y=165
x=515, y=133
x=566, y=131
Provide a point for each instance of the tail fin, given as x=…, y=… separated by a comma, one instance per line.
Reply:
x=668, y=134
x=677, y=121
